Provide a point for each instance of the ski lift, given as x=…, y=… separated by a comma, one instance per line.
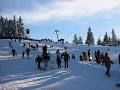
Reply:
x=27, y=31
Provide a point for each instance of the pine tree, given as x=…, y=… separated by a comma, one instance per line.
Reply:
x=114, y=38
x=99, y=42
x=109, y=40
x=11, y=27
x=90, y=38
x=106, y=39
x=20, y=25
x=80, y=41
x=75, y=39
x=118, y=41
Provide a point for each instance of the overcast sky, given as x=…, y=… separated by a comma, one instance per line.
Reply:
x=68, y=16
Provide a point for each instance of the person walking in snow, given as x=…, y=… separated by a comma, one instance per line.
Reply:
x=14, y=52
x=81, y=58
x=28, y=52
x=84, y=56
x=98, y=56
x=38, y=60
x=37, y=46
x=101, y=57
x=10, y=45
x=23, y=54
x=44, y=49
x=58, y=59
x=45, y=56
x=107, y=63
x=89, y=55
x=66, y=58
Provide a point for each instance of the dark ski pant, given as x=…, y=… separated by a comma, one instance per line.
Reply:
x=66, y=63
x=27, y=55
x=39, y=65
x=119, y=61
x=108, y=71
x=59, y=65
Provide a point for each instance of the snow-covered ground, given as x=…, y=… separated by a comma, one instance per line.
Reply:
x=22, y=74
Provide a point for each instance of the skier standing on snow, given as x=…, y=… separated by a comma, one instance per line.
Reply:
x=45, y=57
x=107, y=63
x=14, y=52
x=102, y=57
x=10, y=45
x=81, y=58
x=28, y=52
x=38, y=60
x=84, y=56
x=66, y=58
x=23, y=54
x=37, y=46
x=89, y=55
x=58, y=58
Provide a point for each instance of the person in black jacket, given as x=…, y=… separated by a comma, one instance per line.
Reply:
x=44, y=49
x=28, y=52
x=14, y=52
x=89, y=55
x=107, y=63
x=38, y=60
x=66, y=58
x=58, y=58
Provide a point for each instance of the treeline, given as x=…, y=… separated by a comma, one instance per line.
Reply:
x=107, y=40
x=12, y=28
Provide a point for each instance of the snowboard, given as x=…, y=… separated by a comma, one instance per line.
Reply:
x=117, y=84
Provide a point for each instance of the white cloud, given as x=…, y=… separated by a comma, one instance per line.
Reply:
x=62, y=9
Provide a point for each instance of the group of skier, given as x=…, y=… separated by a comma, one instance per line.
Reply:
x=65, y=56
x=100, y=57
x=45, y=58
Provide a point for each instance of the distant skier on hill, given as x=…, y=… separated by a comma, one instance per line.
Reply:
x=107, y=63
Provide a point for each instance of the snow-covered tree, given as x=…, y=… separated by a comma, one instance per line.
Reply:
x=80, y=40
x=11, y=27
x=114, y=38
x=106, y=39
x=90, y=38
x=99, y=42
x=118, y=41
x=75, y=39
